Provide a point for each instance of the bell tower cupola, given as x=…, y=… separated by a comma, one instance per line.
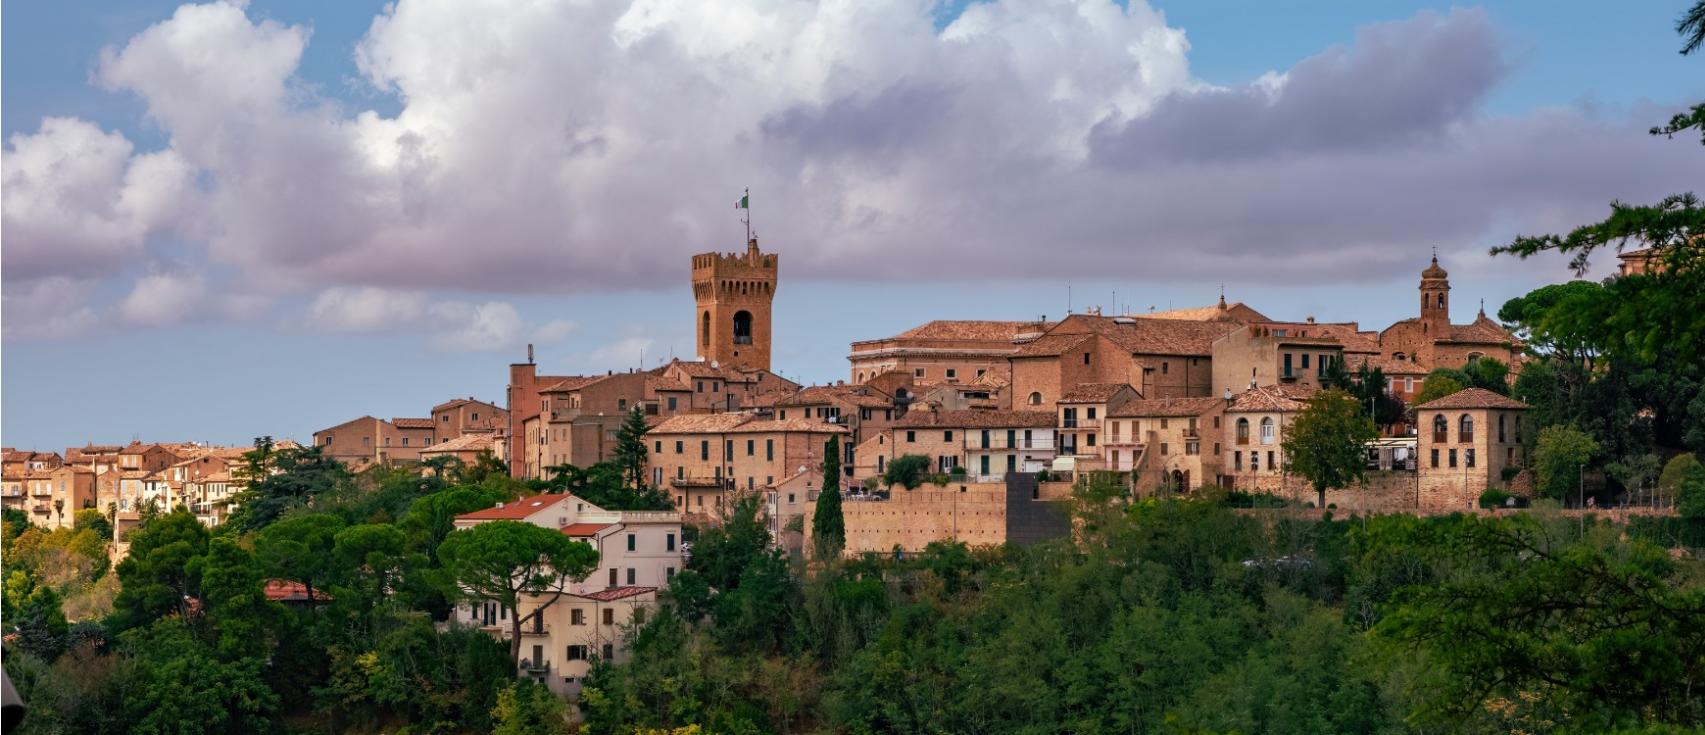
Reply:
x=1435, y=301
x=732, y=293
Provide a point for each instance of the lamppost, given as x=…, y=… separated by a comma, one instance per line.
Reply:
x=1583, y=496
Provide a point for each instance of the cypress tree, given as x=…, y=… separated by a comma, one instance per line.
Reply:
x=828, y=527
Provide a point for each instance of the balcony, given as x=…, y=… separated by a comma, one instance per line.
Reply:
x=535, y=630
x=542, y=667
x=1192, y=433
x=1000, y=443
x=41, y=508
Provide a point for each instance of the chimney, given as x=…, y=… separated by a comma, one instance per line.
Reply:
x=499, y=505
x=529, y=353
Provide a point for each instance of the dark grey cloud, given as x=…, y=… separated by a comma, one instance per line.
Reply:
x=1399, y=83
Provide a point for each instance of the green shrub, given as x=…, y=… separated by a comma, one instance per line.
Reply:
x=1493, y=498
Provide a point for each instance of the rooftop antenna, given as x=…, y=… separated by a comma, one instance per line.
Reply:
x=529, y=353
x=1068, y=297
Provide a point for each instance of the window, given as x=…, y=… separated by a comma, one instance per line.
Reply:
x=577, y=652
x=1192, y=448
x=1287, y=372
x=698, y=385
x=728, y=450
x=1453, y=457
x=704, y=330
x=1408, y=383
x=751, y=447
x=405, y=441
x=668, y=573
x=951, y=373
x=1254, y=461
x=1237, y=461
x=671, y=403
x=678, y=445
x=980, y=372
x=613, y=569
x=658, y=447
x=917, y=372
x=1163, y=449
x=947, y=436
x=1271, y=464
x=610, y=649
x=769, y=450
x=1035, y=400
x=1089, y=413
x=1086, y=358
x=1468, y=457
x=632, y=542
x=1267, y=430
x=1500, y=428
x=1441, y=429
x=632, y=578
x=1089, y=439
x=911, y=436
x=577, y=617
x=1305, y=360
x=445, y=419
x=742, y=327
x=1465, y=429
x=1216, y=449
x=704, y=451
x=669, y=541
x=1243, y=431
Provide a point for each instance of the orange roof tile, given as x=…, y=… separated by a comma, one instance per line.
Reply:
x=978, y=419
x=1283, y=397
x=514, y=510
x=1165, y=407
x=1093, y=392
x=582, y=530
x=1474, y=398
x=617, y=593
x=411, y=423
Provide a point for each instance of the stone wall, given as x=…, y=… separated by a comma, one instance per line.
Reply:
x=973, y=513
x=1384, y=492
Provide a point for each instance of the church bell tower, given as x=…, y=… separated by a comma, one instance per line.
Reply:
x=732, y=294
x=1435, y=301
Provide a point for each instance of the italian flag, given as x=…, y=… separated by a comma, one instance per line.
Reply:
x=741, y=204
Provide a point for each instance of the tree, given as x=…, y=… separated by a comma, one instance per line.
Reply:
x=1560, y=457
x=41, y=624
x=1435, y=387
x=1690, y=493
x=526, y=707
x=504, y=561
x=283, y=479
x=178, y=686
x=234, y=594
x=1327, y=444
x=630, y=449
x=299, y=549
x=1676, y=470
x=828, y=527
x=370, y=556
x=907, y=471
x=162, y=571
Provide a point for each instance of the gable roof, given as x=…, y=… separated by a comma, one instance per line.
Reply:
x=458, y=402
x=1167, y=407
x=515, y=510
x=977, y=419
x=970, y=330
x=411, y=423
x=1283, y=397
x=616, y=593
x=1052, y=345
x=463, y=443
x=1482, y=331
x=1474, y=398
x=1093, y=392
x=740, y=423
x=1149, y=336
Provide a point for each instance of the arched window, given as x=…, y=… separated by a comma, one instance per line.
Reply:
x=1465, y=429
x=1440, y=428
x=704, y=330
x=1399, y=357
x=742, y=327
x=1243, y=431
x=1441, y=302
x=1267, y=430
x=1472, y=356
x=1501, y=428
x=1035, y=399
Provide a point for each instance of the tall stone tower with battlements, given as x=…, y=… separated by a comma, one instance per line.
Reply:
x=733, y=292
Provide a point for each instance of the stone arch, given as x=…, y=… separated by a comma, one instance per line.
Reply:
x=742, y=327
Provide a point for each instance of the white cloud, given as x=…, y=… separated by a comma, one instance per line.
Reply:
x=162, y=299
x=364, y=309
x=493, y=325
x=77, y=203
x=554, y=331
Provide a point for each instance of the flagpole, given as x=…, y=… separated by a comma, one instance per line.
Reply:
x=747, y=200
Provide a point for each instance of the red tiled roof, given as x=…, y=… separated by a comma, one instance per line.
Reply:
x=1474, y=398
x=978, y=419
x=1482, y=331
x=514, y=510
x=1284, y=397
x=1051, y=345
x=741, y=423
x=617, y=593
x=463, y=443
x=581, y=530
x=425, y=423
x=1092, y=392
x=1165, y=407
x=971, y=330
x=284, y=590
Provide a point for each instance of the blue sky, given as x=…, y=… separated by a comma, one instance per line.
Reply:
x=214, y=267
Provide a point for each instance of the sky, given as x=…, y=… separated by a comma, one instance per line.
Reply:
x=224, y=220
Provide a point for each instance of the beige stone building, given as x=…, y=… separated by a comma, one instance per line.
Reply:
x=944, y=351
x=1255, y=422
x=466, y=449
x=366, y=441
x=593, y=617
x=988, y=444
x=1432, y=341
x=1160, y=358
x=1267, y=355
x=1083, y=410
x=462, y=416
x=1172, y=443
x=700, y=460
x=1467, y=441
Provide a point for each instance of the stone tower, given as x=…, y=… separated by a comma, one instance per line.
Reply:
x=733, y=293
x=1435, y=301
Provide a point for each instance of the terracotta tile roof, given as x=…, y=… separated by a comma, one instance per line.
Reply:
x=583, y=530
x=1136, y=335
x=284, y=590
x=696, y=369
x=1282, y=397
x=463, y=443
x=456, y=402
x=1348, y=336
x=1093, y=392
x=1474, y=398
x=852, y=394
x=1165, y=407
x=1482, y=331
x=515, y=510
x=403, y=423
x=659, y=383
x=978, y=419
x=137, y=448
x=1386, y=365
x=740, y=423
x=1212, y=312
x=1051, y=345
x=971, y=330
x=617, y=593
x=568, y=383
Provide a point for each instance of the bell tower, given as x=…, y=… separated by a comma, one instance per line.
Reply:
x=1435, y=301
x=732, y=294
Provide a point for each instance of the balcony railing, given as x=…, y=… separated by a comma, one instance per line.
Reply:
x=1192, y=433
x=1068, y=423
x=1002, y=443
x=544, y=630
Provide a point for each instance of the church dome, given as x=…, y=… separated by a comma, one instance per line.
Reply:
x=1434, y=271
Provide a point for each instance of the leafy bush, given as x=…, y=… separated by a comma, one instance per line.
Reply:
x=1493, y=498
